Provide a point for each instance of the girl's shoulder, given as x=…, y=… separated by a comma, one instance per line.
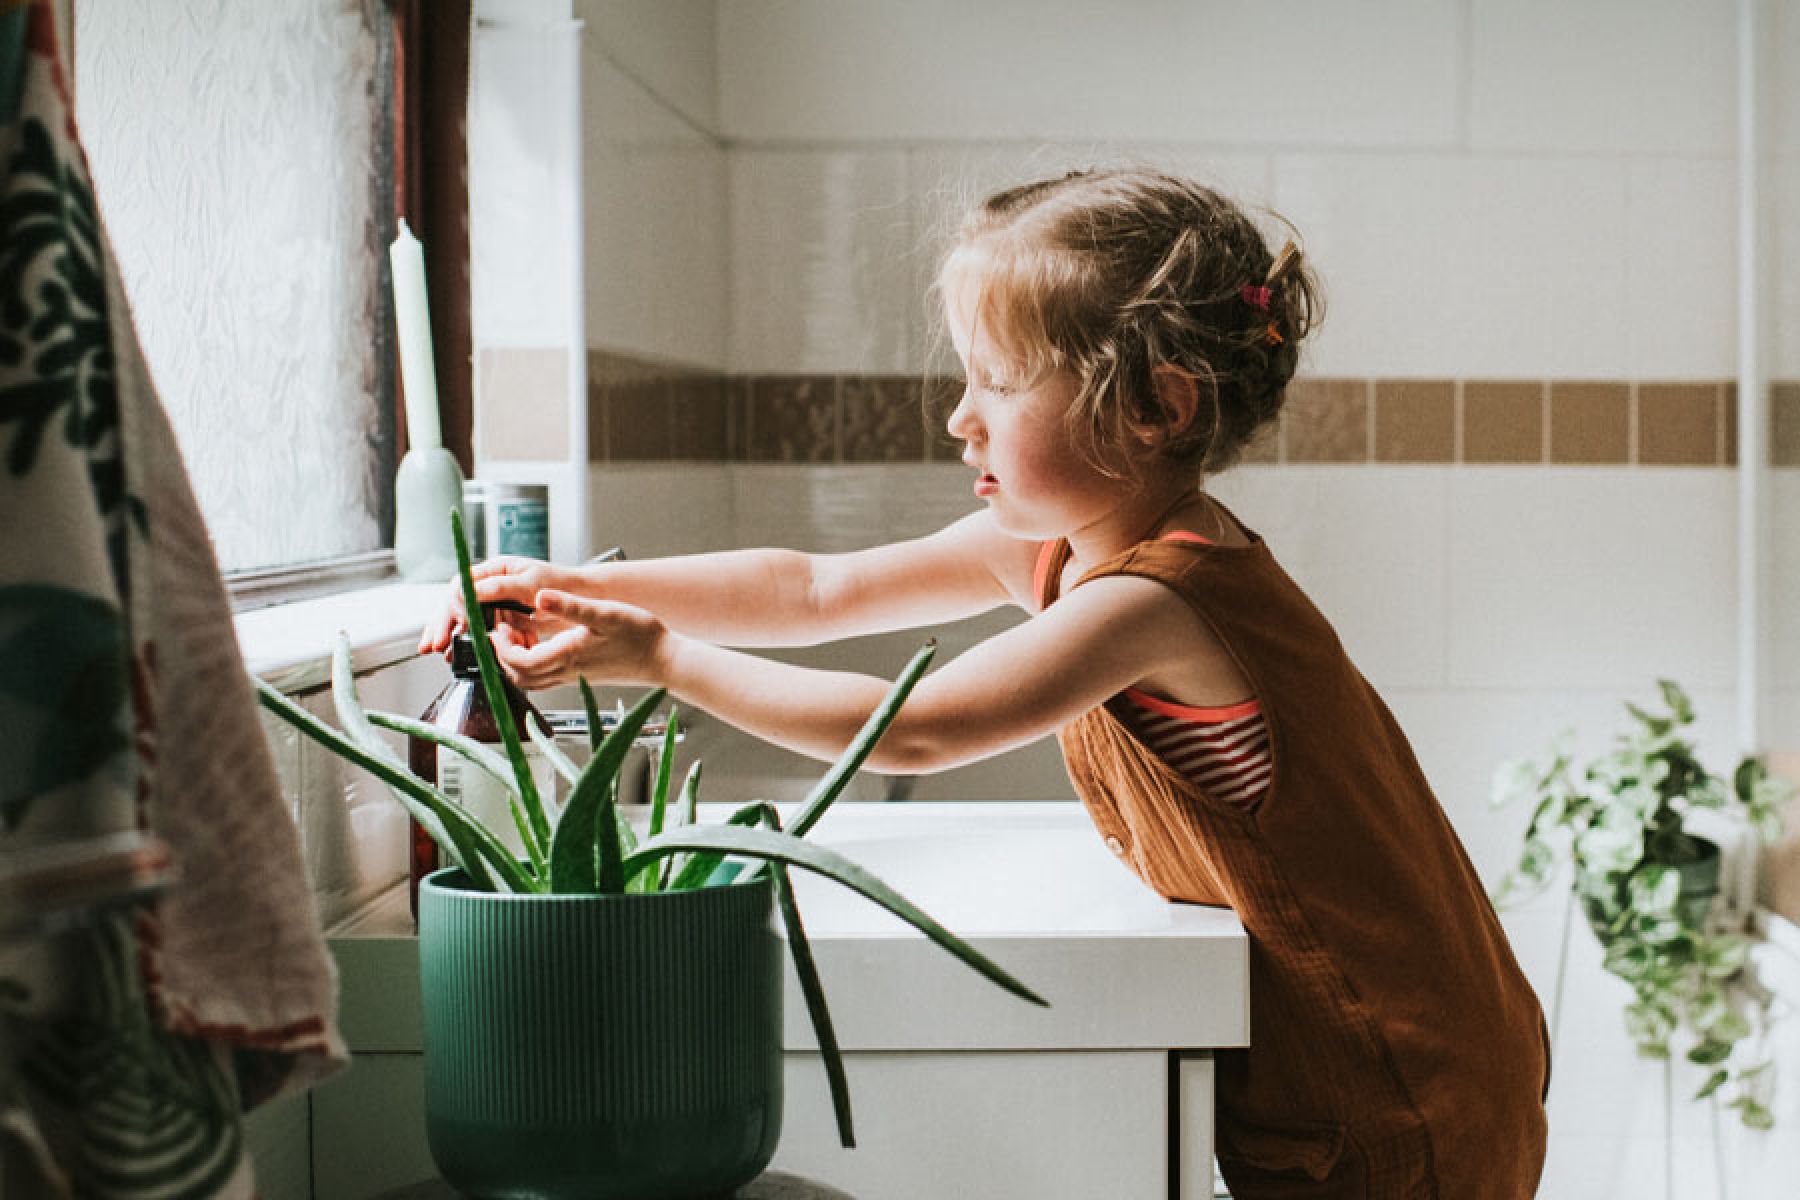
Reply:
x=978, y=539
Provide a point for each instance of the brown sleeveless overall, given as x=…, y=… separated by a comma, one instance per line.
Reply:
x=1396, y=1050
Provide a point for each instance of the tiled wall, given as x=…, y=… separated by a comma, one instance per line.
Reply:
x=1522, y=214
x=644, y=412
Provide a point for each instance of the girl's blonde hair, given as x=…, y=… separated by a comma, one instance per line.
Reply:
x=1112, y=275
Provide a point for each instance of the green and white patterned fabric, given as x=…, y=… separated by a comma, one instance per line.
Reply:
x=131, y=1045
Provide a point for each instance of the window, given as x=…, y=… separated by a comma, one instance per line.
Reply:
x=244, y=159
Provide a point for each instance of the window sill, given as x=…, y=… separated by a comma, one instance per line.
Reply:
x=290, y=645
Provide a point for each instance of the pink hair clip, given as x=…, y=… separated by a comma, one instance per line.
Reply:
x=1255, y=297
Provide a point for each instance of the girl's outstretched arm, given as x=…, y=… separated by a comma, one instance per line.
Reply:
x=771, y=597
x=1009, y=690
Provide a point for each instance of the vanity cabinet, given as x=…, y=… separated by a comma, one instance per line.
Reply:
x=957, y=1088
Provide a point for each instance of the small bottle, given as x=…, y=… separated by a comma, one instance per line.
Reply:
x=462, y=707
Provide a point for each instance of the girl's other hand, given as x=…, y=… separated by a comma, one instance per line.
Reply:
x=507, y=577
x=570, y=636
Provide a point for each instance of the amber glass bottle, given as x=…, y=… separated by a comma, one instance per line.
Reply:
x=462, y=707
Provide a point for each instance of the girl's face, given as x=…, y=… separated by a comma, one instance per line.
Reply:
x=1032, y=475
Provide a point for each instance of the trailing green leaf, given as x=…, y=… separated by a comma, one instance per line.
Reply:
x=807, y=971
x=794, y=851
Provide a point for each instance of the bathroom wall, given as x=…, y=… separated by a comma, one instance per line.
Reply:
x=1507, y=469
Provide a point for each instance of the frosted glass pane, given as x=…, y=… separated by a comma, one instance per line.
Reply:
x=237, y=153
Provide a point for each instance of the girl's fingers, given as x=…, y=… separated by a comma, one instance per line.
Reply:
x=571, y=607
x=435, y=637
x=545, y=664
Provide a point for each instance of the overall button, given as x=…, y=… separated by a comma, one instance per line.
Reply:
x=1116, y=846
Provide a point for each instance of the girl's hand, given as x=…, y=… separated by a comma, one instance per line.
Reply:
x=508, y=577
x=571, y=636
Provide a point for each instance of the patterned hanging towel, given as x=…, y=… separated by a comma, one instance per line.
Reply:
x=130, y=1046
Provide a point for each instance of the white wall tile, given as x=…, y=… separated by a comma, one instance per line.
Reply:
x=654, y=510
x=1783, y=595
x=1606, y=76
x=822, y=266
x=655, y=220
x=1309, y=71
x=1592, y=577
x=523, y=183
x=1369, y=546
x=1780, y=66
x=825, y=509
x=1781, y=287
x=672, y=46
x=1454, y=267
x=1462, y=736
x=1680, y=269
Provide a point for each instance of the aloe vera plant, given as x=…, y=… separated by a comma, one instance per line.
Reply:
x=589, y=847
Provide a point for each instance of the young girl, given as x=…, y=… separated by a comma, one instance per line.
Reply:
x=1124, y=335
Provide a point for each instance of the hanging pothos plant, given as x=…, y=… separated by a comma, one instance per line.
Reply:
x=1646, y=884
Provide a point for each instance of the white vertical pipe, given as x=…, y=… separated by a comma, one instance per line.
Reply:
x=544, y=32
x=579, y=471
x=1752, y=408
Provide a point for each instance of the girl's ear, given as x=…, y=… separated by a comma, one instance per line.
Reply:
x=1178, y=397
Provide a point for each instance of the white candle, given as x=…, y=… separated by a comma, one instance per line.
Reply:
x=412, y=321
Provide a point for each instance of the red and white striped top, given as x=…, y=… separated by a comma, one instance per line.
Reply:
x=1224, y=751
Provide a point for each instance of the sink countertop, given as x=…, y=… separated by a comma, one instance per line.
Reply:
x=1030, y=884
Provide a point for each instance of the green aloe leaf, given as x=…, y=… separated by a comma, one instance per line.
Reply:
x=477, y=753
x=590, y=816
x=688, y=813
x=588, y=704
x=665, y=766
x=794, y=851
x=468, y=845
x=831, y=785
x=608, y=851
x=709, y=868
x=352, y=717
x=546, y=744
x=494, y=684
x=800, y=950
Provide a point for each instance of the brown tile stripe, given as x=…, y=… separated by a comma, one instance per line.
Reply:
x=641, y=412
x=1415, y=421
x=1504, y=422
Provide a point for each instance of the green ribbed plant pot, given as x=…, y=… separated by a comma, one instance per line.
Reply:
x=600, y=1047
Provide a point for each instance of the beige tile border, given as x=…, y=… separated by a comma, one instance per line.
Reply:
x=643, y=412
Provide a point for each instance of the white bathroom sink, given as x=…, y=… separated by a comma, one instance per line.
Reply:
x=983, y=879
x=1032, y=886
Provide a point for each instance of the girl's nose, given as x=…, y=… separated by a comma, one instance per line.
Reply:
x=962, y=419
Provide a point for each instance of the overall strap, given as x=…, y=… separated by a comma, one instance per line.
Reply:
x=1053, y=556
